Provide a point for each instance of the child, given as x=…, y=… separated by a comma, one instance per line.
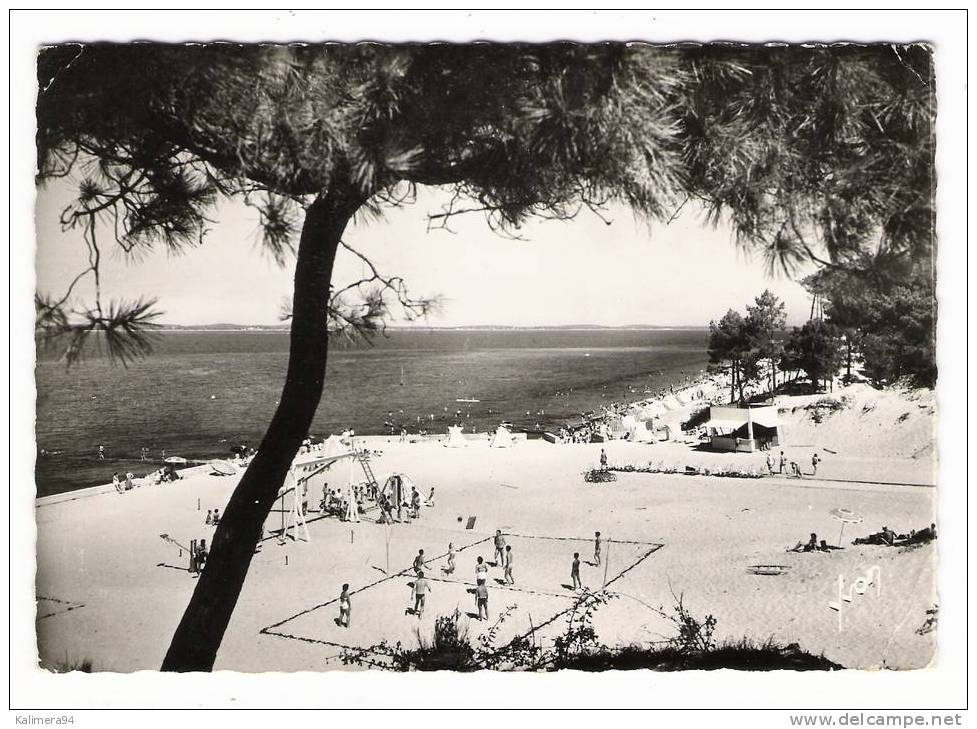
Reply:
x=451, y=560
x=603, y=460
x=575, y=571
x=216, y=520
x=597, y=548
x=430, y=498
x=210, y=519
x=508, y=566
x=344, y=606
x=117, y=482
x=421, y=588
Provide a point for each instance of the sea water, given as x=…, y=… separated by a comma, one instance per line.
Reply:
x=202, y=392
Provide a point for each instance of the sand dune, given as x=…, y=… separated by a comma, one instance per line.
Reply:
x=112, y=590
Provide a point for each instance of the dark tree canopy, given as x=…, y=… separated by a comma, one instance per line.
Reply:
x=824, y=151
x=814, y=348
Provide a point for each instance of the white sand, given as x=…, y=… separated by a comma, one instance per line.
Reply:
x=103, y=552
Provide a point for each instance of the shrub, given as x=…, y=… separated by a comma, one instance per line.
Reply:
x=693, y=647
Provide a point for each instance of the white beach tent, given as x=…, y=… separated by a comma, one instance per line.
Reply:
x=455, y=438
x=334, y=446
x=390, y=487
x=642, y=433
x=502, y=438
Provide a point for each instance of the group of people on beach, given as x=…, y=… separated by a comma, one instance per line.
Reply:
x=503, y=557
x=885, y=537
x=782, y=466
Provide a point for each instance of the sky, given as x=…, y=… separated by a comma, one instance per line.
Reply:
x=584, y=271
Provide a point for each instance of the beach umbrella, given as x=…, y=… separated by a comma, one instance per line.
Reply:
x=845, y=516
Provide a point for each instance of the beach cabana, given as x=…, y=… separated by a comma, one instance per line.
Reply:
x=502, y=438
x=455, y=438
x=335, y=446
x=743, y=430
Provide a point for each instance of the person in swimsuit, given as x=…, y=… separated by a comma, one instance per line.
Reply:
x=451, y=560
x=481, y=600
x=597, y=548
x=508, y=566
x=499, y=548
x=815, y=459
x=575, y=571
x=344, y=606
x=421, y=588
x=200, y=558
x=419, y=563
x=481, y=572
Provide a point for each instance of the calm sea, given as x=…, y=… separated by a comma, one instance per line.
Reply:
x=203, y=391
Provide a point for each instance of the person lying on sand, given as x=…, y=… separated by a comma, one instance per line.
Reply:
x=888, y=538
x=923, y=535
x=811, y=546
x=885, y=538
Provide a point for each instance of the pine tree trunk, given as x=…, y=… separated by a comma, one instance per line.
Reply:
x=848, y=360
x=197, y=638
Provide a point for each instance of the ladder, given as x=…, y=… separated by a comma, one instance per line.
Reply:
x=364, y=459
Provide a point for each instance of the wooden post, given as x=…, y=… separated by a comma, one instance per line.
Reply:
x=607, y=562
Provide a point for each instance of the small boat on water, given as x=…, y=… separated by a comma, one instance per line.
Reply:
x=466, y=399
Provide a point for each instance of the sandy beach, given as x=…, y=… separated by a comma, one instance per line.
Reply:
x=665, y=535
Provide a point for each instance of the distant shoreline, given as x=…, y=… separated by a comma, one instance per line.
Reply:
x=574, y=328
